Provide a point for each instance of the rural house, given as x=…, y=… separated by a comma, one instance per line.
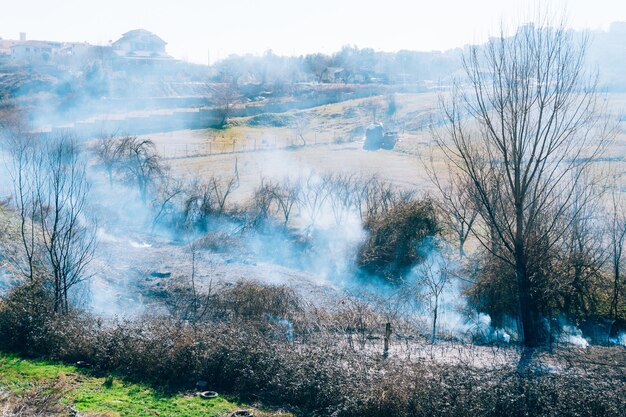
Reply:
x=35, y=50
x=140, y=44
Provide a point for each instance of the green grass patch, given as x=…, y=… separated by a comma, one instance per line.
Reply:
x=270, y=120
x=107, y=396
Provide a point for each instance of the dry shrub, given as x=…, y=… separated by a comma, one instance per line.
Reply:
x=256, y=301
x=43, y=399
x=220, y=241
x=395, y=239
x=237, y=354
x=244, y=300
x=26, y=314
x=493, y=289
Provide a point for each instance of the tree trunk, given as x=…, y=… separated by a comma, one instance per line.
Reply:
x=387, y=339
x=527, y=307
x=461, y=246
x=529, y=312
x=616, y=276
x=434, y=336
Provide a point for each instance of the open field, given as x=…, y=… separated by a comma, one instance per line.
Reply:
x=403, y=169
x=334, y=140
x=332, y=123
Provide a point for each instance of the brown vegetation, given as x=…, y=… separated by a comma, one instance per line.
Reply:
x=398, y=239
x=249, y=353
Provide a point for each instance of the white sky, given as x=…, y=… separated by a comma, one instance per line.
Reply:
x=192, y=28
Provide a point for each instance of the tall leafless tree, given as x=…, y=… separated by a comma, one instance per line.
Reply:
x=164, y=202
x=341, y=196
x=62, y=195
x=617, y=239
x=222, y=189
x=22, y=148
x=313, y=197
x=522, y=132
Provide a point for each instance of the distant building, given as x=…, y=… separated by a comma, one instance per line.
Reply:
x=142, y=45
x=5, y=46
x=35, y=50
x=75, y=49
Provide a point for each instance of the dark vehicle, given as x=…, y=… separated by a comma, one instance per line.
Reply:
x=376, y=138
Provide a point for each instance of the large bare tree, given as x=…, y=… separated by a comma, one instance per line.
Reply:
x=61, y=209
x=22, y=148
x=51, y=196
x=523, y=130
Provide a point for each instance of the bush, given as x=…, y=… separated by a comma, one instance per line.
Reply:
x=320, y=377
x=25, y=313
x=252, y=300
x=396, y=239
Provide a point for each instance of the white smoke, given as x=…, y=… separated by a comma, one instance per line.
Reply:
x=572, y=335
x=619, y=340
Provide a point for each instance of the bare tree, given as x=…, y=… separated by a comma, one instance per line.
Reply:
x=318, y=65
x=617, y=239
x=374, y=196
x=139, y=162
x=262, y=204
x=224, y=96
x=582, y=253
x=457, y=210
x=286, y=196
x=522, y=136
x=203, y=199
x=222, y=188
x=341, y=196
x=133, y=159
x=62, y=190
x=165, y=201
x=107, y=151
x=198, y=203
x=313, y=196
x=434, y=276
x=23, y=148
x=299, y=124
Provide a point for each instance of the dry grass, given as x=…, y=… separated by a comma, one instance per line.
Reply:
x=332, y=123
